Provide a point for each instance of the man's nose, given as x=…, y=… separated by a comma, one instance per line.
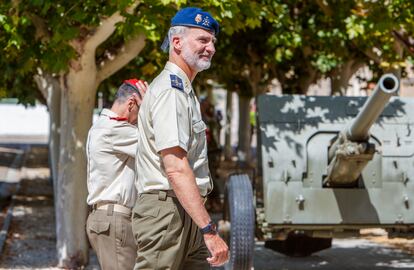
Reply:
x=210, y=48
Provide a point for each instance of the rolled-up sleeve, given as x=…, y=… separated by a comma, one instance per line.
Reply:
x=171, y=120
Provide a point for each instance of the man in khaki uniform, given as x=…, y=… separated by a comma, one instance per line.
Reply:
x=170, y=223
x=111, y=149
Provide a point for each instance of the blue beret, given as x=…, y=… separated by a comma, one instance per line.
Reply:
x=195, y=17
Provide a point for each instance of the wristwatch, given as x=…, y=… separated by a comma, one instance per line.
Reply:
x=211, y=228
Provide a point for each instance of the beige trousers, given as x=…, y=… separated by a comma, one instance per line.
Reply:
x=110, y=235
x=166, y=236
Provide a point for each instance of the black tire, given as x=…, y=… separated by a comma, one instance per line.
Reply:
x=240, y=212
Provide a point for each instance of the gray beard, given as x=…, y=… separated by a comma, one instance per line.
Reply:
x=193, y=61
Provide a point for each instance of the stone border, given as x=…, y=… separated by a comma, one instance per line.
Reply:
x=6, y=226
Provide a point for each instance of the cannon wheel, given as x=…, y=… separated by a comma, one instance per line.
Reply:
x=239, y=211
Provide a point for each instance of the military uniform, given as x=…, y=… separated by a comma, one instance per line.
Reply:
x=169, y=116
x=111, y=150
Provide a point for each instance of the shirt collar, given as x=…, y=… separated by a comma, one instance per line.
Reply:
x=173, y=68
x=109, y=113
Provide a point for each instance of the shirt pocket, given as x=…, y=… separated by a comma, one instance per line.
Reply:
x=198, y=148
x=199, y=127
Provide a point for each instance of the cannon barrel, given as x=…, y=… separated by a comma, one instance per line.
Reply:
x=358, y=130
x=351, y=151
x=386, y=87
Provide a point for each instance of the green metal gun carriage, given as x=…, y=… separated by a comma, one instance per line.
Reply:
x=328, y=167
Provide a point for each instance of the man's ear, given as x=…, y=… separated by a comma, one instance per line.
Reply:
x=131, y=103
x=177, y=42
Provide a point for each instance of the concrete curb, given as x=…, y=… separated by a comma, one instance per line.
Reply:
x=6, y=225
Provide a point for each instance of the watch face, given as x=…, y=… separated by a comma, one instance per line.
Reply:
x=213, y=226
x=210, y=228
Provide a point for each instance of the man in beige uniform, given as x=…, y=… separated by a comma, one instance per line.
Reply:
x=111, y=150
x=170, y=223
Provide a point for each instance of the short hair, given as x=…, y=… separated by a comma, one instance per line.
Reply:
x=125, y=91
x=178, y=30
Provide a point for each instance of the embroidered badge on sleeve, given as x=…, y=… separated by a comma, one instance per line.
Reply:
x=176, y=82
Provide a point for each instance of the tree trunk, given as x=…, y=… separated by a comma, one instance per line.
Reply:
x=228, y=151
x=305, y=81
x=78, y=99
x=54, y=133
x=51, y=91
x=342, y=75
x=399, y=51
x=244, y=129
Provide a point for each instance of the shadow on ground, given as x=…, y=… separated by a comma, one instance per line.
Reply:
x=31, y=239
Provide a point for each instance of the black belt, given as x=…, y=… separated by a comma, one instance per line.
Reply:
x=163, y=194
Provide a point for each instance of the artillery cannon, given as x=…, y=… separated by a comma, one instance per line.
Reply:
x=328, y=167
x=351, y=151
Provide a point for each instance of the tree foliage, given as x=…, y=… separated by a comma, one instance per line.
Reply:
x=40, y=34
x=294, y=40
x=299, y=42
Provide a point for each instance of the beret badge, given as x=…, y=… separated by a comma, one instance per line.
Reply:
x=198, y=18
x=206, y=21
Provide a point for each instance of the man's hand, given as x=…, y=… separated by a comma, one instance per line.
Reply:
x=218, y=249
x=142, y=88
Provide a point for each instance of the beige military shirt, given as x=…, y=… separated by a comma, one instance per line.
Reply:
x=111, y=148
x=170, y=116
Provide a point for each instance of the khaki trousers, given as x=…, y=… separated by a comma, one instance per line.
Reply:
x=110, y=235
x=166, y=236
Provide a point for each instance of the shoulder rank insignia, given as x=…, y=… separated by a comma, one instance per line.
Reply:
x=176, y=82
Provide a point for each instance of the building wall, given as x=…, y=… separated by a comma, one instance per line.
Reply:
x=21, y=124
